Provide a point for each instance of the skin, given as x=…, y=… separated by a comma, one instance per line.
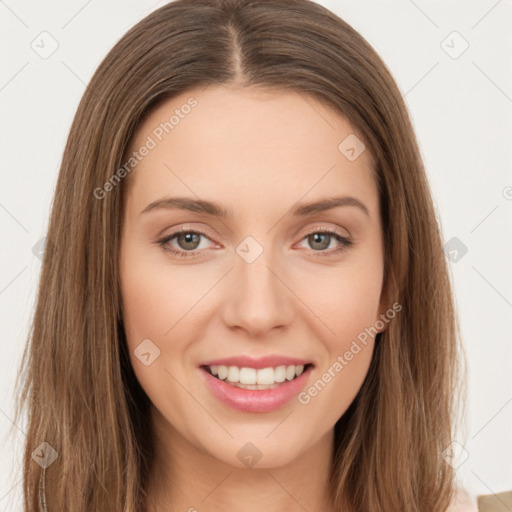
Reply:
x=257, y=154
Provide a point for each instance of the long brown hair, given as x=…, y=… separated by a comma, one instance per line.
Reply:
x=79, y=390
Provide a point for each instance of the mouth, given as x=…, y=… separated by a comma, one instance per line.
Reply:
x=257, y=386
x=261, y=379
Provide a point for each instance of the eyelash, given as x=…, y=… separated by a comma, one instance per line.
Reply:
x=344, y=241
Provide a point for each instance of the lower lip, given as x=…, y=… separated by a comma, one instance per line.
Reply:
x=255, y=400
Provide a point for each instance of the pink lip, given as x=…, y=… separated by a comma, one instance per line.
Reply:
x=249, y=400
x=262, y=362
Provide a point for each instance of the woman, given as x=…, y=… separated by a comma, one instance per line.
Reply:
x=244, y=301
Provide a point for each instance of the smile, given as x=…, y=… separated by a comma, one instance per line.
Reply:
x=270, y=387
x=253, y=378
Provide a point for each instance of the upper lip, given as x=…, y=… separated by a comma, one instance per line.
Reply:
x=258, y=363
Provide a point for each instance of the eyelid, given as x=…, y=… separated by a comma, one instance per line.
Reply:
x=329, y=229
x=207, y=233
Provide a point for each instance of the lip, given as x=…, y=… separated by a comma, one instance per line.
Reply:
x=262, y=362
x=256, y=401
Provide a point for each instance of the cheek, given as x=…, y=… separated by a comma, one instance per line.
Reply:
x=349, y=343
x=145, y=306
x=156, y=297
x=147, y=315
x=155, y=302
x=161, y=303
x=336, y=385
x=346, y=300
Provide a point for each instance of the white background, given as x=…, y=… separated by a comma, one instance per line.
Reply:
x=462, y=113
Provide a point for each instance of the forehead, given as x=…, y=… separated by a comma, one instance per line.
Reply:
x=248, y=144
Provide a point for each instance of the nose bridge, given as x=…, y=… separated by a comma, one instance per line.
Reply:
x=257, y=299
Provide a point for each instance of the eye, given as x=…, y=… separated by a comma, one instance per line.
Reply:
x=186, y=239
x=321, y=239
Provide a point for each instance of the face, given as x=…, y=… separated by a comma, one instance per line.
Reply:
x=268, y=279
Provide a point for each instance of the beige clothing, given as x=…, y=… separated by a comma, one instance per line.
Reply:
x=500, y=502
x=466, y=502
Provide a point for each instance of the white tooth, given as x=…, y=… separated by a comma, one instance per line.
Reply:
x=280, y=374
x=265, y=376
x=247, y=376
x=251, y=376
x=290, y=372
x=233, y=373
x=223, y=372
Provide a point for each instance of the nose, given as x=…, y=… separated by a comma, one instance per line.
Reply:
x=257, y=296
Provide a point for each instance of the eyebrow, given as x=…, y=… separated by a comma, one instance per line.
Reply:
x=216, y=210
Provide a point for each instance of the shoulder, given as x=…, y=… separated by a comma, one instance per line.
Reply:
x=464, y=501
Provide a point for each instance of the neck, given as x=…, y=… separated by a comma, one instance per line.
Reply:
x=186, y=477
